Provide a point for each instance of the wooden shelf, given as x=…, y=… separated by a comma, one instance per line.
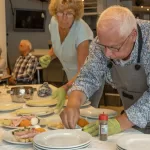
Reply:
x=91, y=14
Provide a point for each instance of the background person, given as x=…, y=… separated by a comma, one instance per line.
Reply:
x=25, y=65
x=123, y=61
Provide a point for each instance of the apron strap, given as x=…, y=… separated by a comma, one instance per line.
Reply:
x=140, y=42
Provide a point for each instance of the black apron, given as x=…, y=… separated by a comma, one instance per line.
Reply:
x=130, y=81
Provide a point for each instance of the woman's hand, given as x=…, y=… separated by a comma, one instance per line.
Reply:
x=45, y=61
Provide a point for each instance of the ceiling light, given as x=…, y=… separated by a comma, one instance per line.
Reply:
x=147, y=9
x=141, y=6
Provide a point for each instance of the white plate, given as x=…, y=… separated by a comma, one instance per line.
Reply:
x=94, y=113
x=134, y=142
x=11, y=127
x=38, y=111
x=37, y=147
x=64, y=138
x=8, y=137
x=42, y=103
x=9, y=106
x=84, y=105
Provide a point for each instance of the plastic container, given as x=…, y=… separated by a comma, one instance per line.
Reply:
x=103, y=127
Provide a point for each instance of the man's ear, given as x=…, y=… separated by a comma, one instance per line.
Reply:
x=134, y=34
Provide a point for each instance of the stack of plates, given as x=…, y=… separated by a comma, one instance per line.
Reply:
x=62, y=139
x=41, y=103
x=38, y=111
x=134, y=142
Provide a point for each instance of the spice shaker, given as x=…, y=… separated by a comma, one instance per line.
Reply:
x=103, y=126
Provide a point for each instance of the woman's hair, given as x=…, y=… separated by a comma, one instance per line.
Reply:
x=119, y=17
x=76, y=5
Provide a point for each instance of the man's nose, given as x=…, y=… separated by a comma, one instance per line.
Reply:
x=108, y=53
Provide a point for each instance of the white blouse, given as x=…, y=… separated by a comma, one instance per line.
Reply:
x=67, y=51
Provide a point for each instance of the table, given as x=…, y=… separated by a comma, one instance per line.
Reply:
x=95, y=144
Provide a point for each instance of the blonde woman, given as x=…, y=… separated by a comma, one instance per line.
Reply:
x=70, y=37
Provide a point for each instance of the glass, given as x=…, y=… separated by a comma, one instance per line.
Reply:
x=115, y=49
x=68, y=14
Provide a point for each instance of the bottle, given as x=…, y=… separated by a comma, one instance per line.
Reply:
x=103, y=126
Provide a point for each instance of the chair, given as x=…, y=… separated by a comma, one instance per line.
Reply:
x=38, y=69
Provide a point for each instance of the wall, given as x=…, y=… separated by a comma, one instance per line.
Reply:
x=3, y=28
x=39, y=40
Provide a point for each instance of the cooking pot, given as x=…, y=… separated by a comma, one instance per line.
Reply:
x=21, y=93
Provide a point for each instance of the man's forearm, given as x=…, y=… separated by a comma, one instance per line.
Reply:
x=125, y=123
x=76, y=99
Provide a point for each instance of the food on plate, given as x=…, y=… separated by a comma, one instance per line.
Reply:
x=27, y=134
x=6, y=122
x=57, y=125
x=24, y=121
x=34, y=121
x=82, y=122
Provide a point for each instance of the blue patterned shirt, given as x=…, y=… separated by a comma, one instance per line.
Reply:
x=95, y=70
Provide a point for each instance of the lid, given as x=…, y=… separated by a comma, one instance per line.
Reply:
x=103, y=117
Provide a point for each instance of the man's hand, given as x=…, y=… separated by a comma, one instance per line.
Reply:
x=12, y=81
x=60, y=95
x=93, y=128
x=70, y=116
x=45, y=61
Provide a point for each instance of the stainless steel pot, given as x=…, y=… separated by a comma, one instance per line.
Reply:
x=21, y=94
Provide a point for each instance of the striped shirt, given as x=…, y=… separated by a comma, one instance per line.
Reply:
x=25, y=67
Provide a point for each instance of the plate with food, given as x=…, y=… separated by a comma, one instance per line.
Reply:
x=22, y=136
x=38, y=111
x=41, y=103
x=57, y=124
x=19, y=122
x=9, y=106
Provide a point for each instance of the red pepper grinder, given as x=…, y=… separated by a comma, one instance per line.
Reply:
x=103, y=126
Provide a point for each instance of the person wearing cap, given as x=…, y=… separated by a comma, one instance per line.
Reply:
x=119, y=55
x=70, y=37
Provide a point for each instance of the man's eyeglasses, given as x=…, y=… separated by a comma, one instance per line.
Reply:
x=68, y=14
x=114, y=49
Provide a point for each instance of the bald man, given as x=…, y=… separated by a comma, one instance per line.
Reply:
x=25, y=65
